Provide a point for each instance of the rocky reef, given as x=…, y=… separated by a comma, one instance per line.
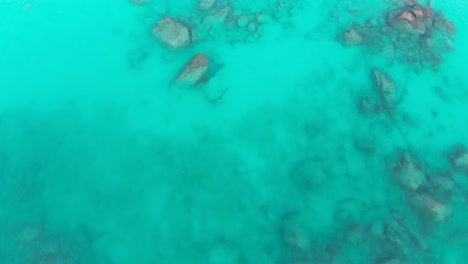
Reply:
x=411, y=32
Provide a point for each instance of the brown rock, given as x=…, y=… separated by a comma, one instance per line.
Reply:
x=418, y=13
x=405, y=22
x=458, y=157
x=205, y=5
x=408, y=16
x=194, y=70
x=351, y=37
x=386, y=88
x=172, y=33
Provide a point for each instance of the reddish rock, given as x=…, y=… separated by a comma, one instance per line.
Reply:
x=351, y=37
x=406, y=22
x=194, y=70
x=458, y=157
x=386, y=88
x=172, y=33
x=418, y=13
x=408, y=16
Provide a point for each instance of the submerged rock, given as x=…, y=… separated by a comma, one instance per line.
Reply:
x=407, y=172
x=458, y=157
x=351, y=37
x=264, y=18
x=386, y=88
x=218, y=17
x=242, y=21
x=194, y=70
x=405, y=22
x=172, y=33
x=445, y=26
x=428, y=206
x=414, y=19
x=308, y=174
x=293, y=232
x=252, y=27
x=205, y=5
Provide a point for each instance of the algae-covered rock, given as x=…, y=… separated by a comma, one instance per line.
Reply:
x=413, y=19
x=218, y=17
x=264, y=18
x=458, y=157
x=294, y=232
x=386, y=88
x=351, y=37
x=405, y=22
x=194, y=71
x=172, y=33
x=308, y=173
x=430, y=207
x=242, y=21
x=407, y=172
x=204, y=5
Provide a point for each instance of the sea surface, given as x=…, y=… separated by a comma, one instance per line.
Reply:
x=286, y=151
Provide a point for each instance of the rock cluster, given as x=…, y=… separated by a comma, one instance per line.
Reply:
x=414, y=19
x=425, y=192
x=412, y=33
x=210, y=19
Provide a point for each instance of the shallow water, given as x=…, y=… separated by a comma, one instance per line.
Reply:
x=269, y=159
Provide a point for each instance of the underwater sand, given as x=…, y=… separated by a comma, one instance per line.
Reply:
x=104, y=160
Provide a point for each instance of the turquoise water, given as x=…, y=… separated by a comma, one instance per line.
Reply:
x=269, y=159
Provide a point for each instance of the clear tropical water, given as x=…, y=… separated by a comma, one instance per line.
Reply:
x=270, y=160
